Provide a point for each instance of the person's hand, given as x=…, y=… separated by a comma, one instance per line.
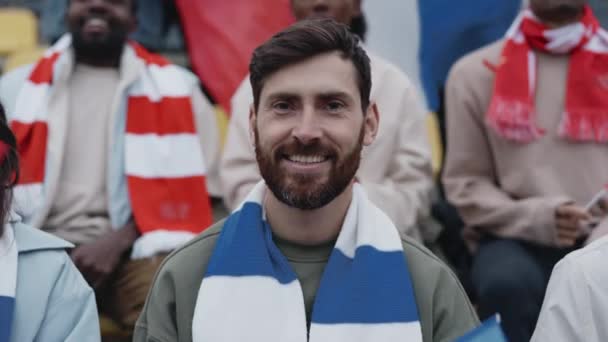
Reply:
x=570, y=219
x=98, y=260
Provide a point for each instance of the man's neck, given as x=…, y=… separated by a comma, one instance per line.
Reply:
x=307, y=227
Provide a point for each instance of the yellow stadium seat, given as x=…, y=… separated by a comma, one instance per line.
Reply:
x=18, y=30
x=23, y=57
x=222, y=123
x=432, y=125
x=111, y=331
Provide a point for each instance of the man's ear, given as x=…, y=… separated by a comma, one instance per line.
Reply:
x=252, y=121
x=371, y=123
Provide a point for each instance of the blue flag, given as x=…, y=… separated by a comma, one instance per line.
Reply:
x=488, y=331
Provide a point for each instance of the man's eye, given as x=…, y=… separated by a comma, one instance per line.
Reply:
x=281, y=106
x=334, y=106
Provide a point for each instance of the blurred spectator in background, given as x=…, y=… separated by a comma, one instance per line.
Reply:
x=575, y=308
x=42, y=294
x=526, y=151
x=112, y=161
x=395, y=171
x=158, y=24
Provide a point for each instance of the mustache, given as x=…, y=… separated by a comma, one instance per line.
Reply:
x=313, y=148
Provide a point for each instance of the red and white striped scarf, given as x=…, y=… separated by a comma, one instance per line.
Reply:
x=164, y=164
x=512, y=112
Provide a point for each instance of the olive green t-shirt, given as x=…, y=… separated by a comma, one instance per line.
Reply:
x=444, y=310
x=308, y=262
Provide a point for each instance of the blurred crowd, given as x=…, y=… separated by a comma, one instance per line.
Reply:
x=131, y=121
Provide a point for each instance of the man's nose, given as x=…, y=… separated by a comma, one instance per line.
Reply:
x=307, y=128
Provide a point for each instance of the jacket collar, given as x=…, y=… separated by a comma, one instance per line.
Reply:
x=30, y=239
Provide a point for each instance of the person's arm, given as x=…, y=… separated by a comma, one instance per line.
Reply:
x=239, y=169
x=208, y=130
x=156, y=322
x=470, y=178
x=565, y=314
x=453, y=314
x=71, y=312
x=405, y=190
x=444, y=309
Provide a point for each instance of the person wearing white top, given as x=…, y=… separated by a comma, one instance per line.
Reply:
x=576, y=302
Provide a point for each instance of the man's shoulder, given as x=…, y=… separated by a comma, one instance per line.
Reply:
x=194, y=255
x=19, y=73
x=444, y=309
x=480, y=61
x=422, y=260
x=10, y=85
x=588, y=261
x=428, y=272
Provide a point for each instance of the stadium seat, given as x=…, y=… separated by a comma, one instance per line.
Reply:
x=111, y=331
x=432, y=125
x=18, y=30
x=222, y=122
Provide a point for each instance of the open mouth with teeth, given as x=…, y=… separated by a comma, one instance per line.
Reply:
x=95, y=25
x=304, y=159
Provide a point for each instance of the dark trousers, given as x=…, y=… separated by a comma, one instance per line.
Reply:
x=510, y=278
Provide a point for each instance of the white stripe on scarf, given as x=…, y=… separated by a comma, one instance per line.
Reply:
x=175, y=155
x=250, y=292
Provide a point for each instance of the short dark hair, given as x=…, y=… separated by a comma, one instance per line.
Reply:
x=9, y=169
x=303, y=40
x=133, y=6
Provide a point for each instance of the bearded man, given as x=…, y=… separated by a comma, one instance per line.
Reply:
x=308, y=256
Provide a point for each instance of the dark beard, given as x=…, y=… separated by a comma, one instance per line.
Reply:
x=306, y=193
x=103, y=49
x=560, y=13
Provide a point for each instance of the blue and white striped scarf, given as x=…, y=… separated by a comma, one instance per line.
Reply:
x=250, y=292
x=8, y=281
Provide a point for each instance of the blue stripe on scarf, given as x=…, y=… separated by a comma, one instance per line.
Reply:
x=242, y=251
x=7, y=308
x=372, y=272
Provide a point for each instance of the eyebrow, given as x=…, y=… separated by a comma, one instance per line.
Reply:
x=334, y=94
x=283, y=96
x=328, y=95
